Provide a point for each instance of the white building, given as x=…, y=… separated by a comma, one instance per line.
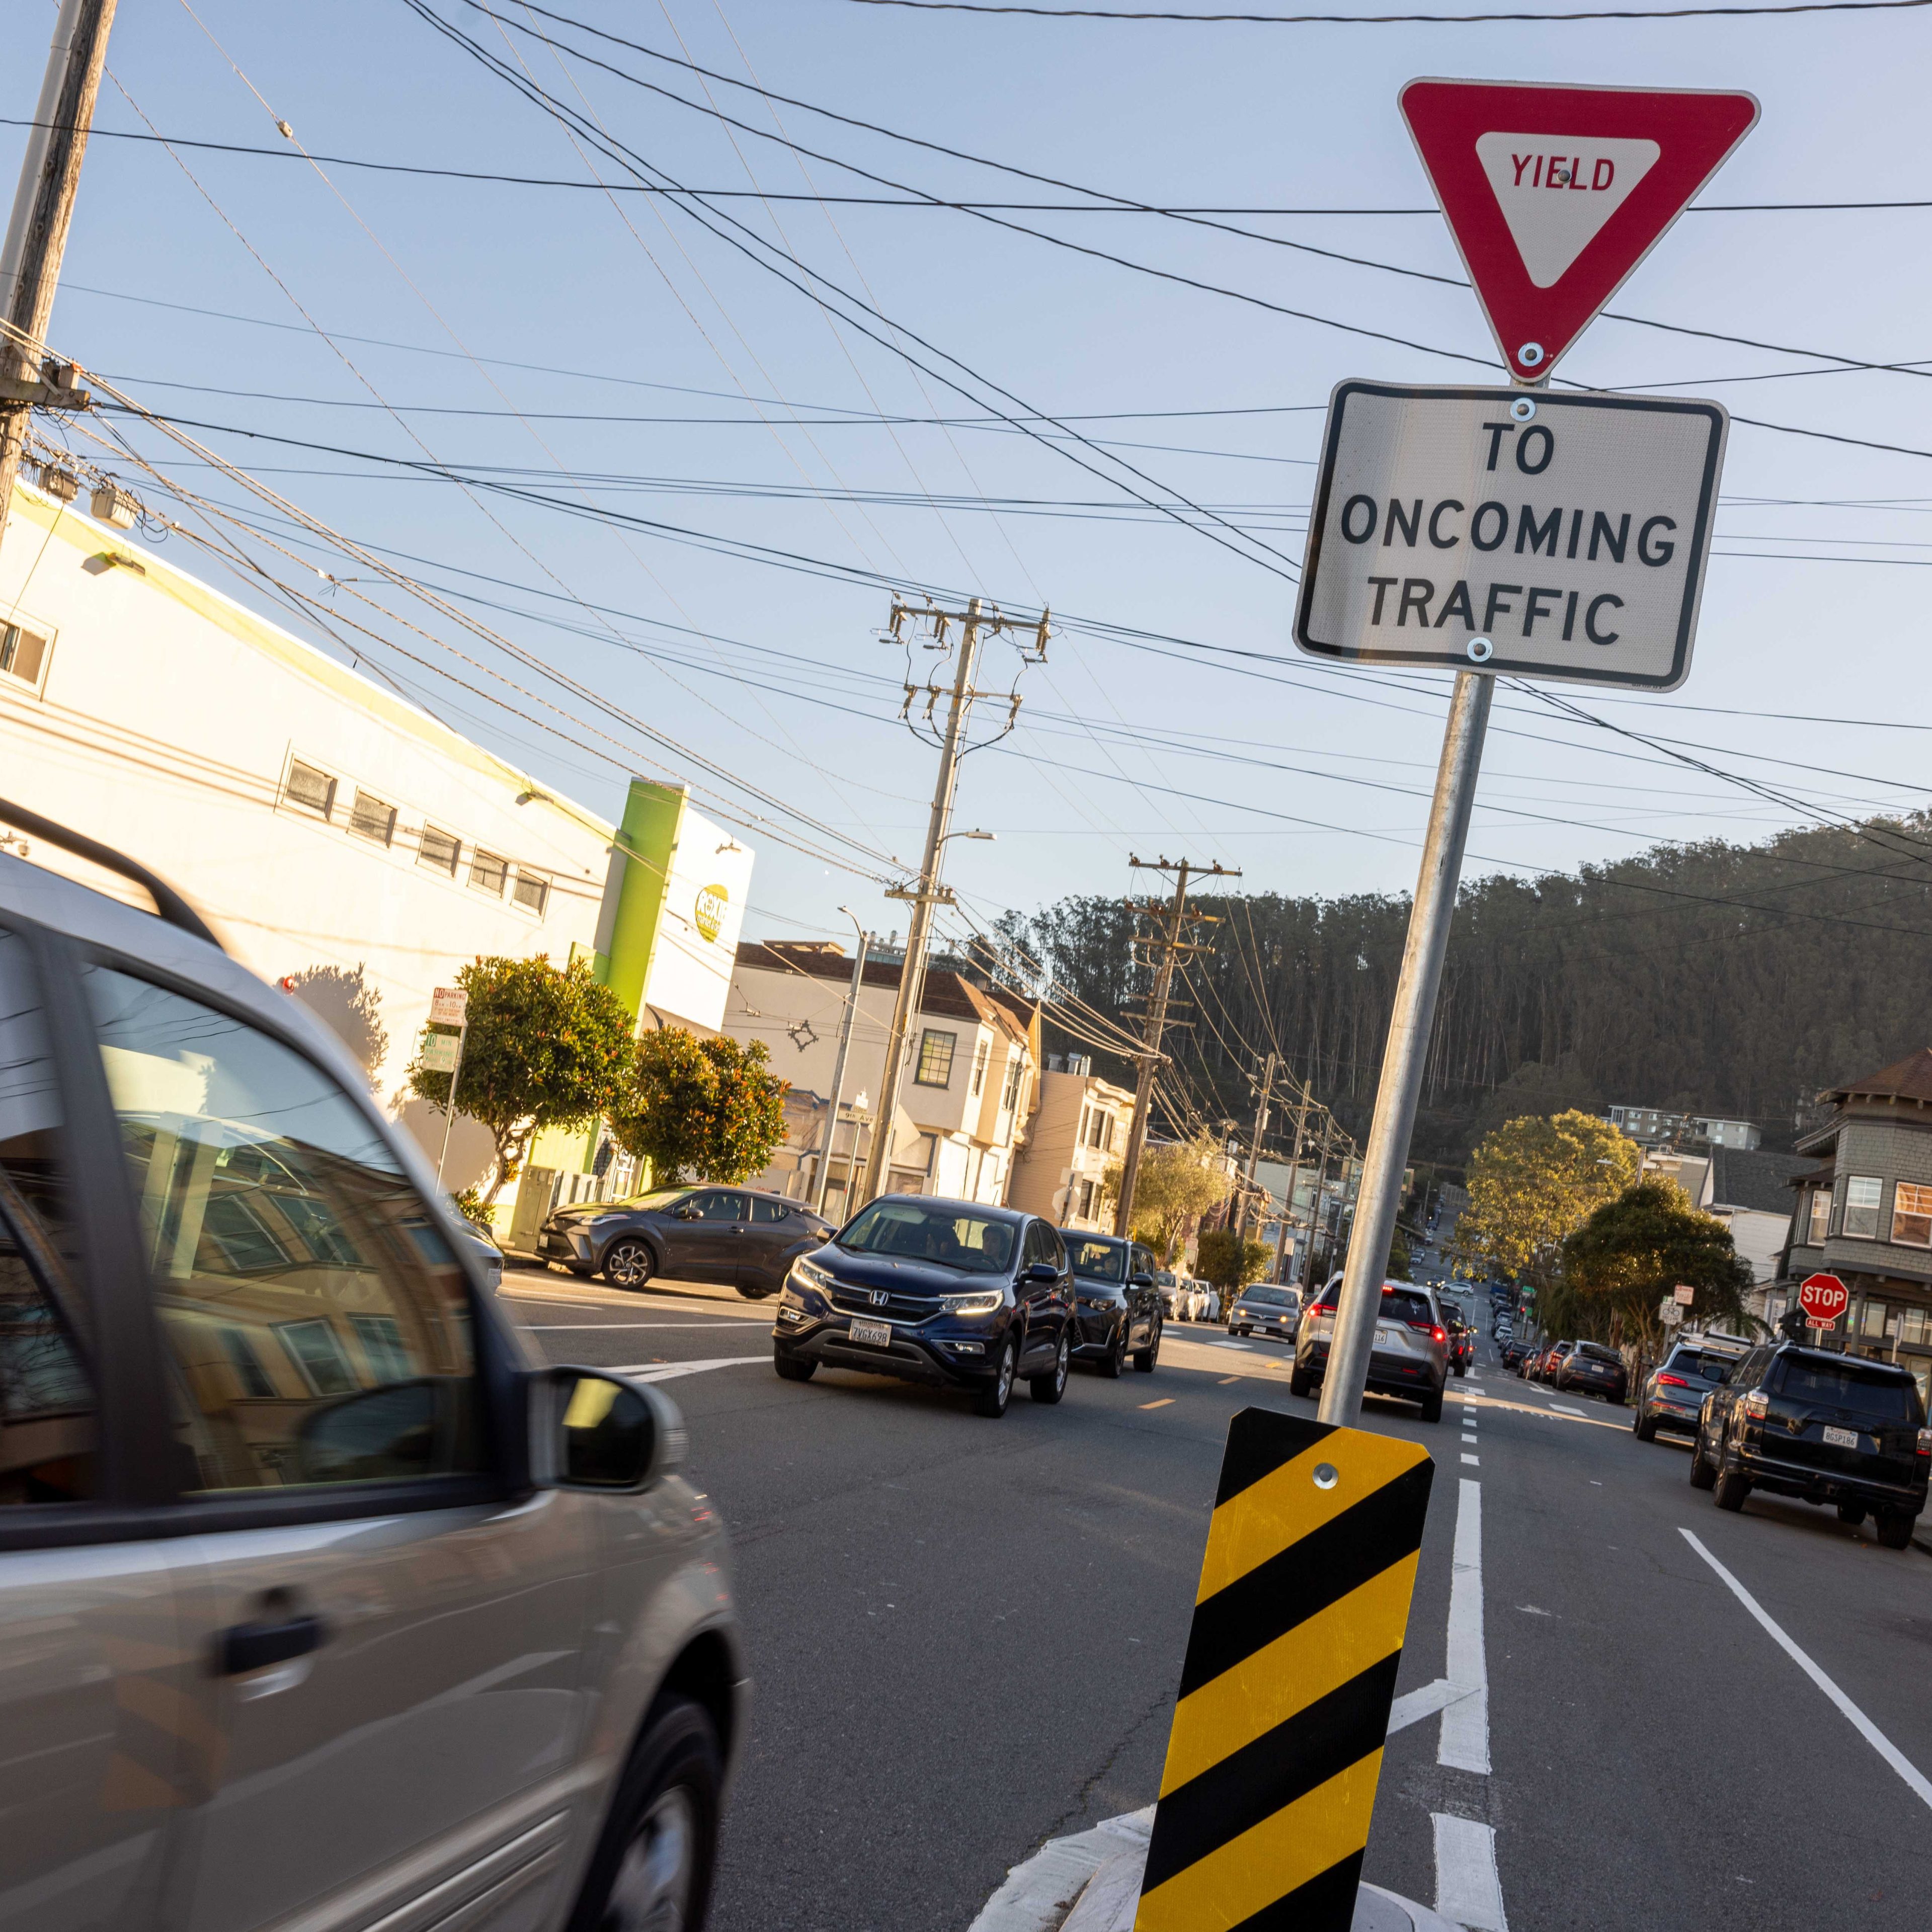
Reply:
x=963, y=1101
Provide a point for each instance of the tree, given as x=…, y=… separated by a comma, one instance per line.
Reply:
x=1532, y=1183
x=1222, y=1257
x=1398, y=1258
x=544, y=1048
x=701, y=1109
x=1620, y=1265
x=1178, y=1182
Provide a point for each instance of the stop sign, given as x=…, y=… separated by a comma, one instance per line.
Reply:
x=1823, y=1297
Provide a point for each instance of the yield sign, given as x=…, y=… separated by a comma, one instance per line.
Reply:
x=1555, y=194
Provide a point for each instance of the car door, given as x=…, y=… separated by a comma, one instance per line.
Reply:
x=774, y=1231
x=95, y=1678
x=1143, y=1302
x=1039, y=1335
x=702, y=1235
x=391, y=1631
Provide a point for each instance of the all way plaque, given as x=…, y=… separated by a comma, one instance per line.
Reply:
x=1548, y=535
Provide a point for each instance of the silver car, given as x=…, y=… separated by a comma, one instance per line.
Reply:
x=1410, y=1355
x=323, y=1602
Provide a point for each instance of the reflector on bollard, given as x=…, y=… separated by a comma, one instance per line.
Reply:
x=1290, y=1672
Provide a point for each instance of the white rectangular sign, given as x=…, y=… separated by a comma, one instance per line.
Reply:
x=1684, y=1294
x=448, y=1005
x=440, y=1051
x=1543, y=535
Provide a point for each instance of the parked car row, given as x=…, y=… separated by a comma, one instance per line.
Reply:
x=956, y=1295
x=1579, y=1368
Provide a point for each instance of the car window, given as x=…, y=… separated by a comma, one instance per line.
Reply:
x=1401, y=1306
x=764, y=1208
x=318, y=1324
x=952, y=1237
x=716, y=1203
x=1883, y=1395
x=1269, y=1297
x=1597, y=1352
x=1039, y=1243
x=1097, y=1261
x=47, y=1396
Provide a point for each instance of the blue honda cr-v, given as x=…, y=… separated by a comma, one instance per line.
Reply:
x=952, y=1293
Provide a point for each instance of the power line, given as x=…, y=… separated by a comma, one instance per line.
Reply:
x=1396, y=19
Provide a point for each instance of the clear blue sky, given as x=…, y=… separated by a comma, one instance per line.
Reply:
x=630, y=310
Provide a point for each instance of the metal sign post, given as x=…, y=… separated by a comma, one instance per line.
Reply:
x=448, y=1005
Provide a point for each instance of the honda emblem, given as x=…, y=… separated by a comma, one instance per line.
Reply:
x=881, y=1296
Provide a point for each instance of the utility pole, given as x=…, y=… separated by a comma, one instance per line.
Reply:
x=1263, y=1093
x=1315, y=1203
x=1293, y=1176
x=929, y=894
x=1174, y=918
x=37, y=230
x=838, y=1079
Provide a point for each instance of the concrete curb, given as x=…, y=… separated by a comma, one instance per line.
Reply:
x=1090, y=1882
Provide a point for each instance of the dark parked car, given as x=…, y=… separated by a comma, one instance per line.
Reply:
x=1594, y=1370
x=737, y=1237
x=1117, y=1307
x=1673, y=1396
x=1517, y=1353
x=1547, y=1361
x=949, y=1293
x=1825, y=1427
x=1266, y=1310
x=1410, y=1356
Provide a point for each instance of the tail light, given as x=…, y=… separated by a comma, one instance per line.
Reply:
x=1925, y=1442
x=1439, y=1334
x=1756, y=1404
x=1672, y=1381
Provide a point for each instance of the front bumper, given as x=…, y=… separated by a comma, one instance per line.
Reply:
x=948, y=1357
x=1825, y=1486
x=573, y=1247
x=1275, y=1331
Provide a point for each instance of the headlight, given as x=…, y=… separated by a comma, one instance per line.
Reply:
x=982, y=1304
x=809, y=1274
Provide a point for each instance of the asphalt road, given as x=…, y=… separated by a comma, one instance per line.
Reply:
x=966, y=1634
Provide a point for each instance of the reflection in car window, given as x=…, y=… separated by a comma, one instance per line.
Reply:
x=1269, y=1297
x=764, y=1208
x=1098, y=1261
x=47, y=1398
x=319, y=1324
x=952, y=1237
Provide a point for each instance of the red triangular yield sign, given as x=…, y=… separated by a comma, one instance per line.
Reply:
x=1555, y=194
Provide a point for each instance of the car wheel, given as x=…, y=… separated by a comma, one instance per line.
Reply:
x=652, y=1870
x=1729, y=1491
x=1853, y=1514
x=794, y=1368
x=1894, y=1528
x=1145, y=1358
x=1300, y=1381
x=629, y=1264
x=991, y=1400
x=757, y=1293
x=1115, y=1359
x=1703, y=1476
x=1051, y=1386
x=1643, y=1427
x=1432, y=1406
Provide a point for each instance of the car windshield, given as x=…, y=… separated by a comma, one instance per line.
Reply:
x=1097, y=1261
x=1407, y=1307
x=951, y=1237
x=1270, y=1297
x=1164, y=1279
x=1885, y=1396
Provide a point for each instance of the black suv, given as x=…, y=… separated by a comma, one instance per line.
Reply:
x=951, y=1293
x=1119, y=1308
x=1825, y=1427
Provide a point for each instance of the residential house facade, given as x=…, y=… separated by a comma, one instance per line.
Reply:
x=1864, y=1214
x=963, y=1100
x=1077, y=1131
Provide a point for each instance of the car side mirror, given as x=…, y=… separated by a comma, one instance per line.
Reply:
x=1140, y=1281
x=684, y=1211
x=1721, y=1375
x=1041, y=1271
x=594, y=1430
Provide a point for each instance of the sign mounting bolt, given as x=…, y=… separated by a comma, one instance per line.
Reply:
x=1480, y=650
x=1530, y=355
x=1522, y=408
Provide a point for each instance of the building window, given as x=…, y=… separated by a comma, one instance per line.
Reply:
x=1009, y=1097
x=439, y=849
x=313, y=790
x=1087, y=1191
x=1821, y=1216
x=532, y=890
x=1871, y=1319
x=982, y=1054
x=487, y=872
x=1911, y=1215
x=935, y=1058
x=1863, y=1193
x=1100, y=1129
x=22, y=654
x=370, y=817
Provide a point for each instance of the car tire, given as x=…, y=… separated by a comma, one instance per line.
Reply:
x=1432, y=1406
x=1300, y=1382
x=1644, y=1427
x=629, y=1264
x=1460, y=1370
x=1703, y=1476
x=1853, y=1514
x=654, y=1860
x=794, y=1368
x=1115, y=1359
x=1051, y=1386
x=1894, y=1527
x=1730, y=1489
x=991, y=1400
x=1144, y=1359
x=757, y=1293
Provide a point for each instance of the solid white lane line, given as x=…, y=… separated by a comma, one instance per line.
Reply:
x=1916, y=1781
x=1465, y=1742
x=1467, y=1888
x=664, y=1372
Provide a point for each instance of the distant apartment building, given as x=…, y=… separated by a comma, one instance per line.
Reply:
x=1078, y=1130
x=1651, y=1125
x=962, y=1101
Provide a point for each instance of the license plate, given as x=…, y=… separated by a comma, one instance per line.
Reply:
x=1384, y=1334
x=880, y=1333
x=1842, y=1438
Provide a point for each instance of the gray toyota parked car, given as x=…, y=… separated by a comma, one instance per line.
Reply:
x=323, y=1602
x=1410, y=1355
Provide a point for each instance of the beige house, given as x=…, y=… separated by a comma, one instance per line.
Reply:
x=966, y=1084
x=1077, y=1131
